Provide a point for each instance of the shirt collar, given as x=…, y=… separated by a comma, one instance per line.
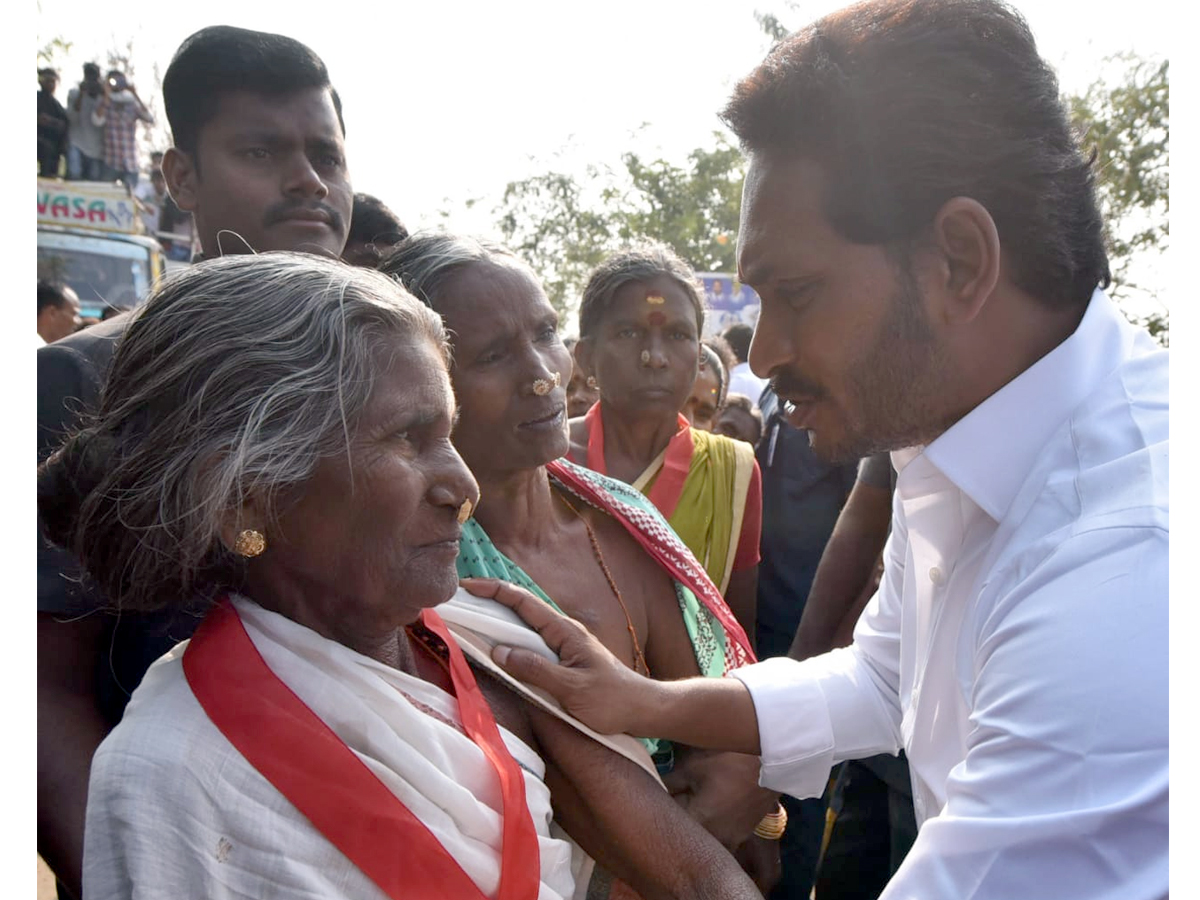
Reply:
x=989, y=452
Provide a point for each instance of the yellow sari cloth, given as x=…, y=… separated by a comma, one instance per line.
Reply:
x=699, y=483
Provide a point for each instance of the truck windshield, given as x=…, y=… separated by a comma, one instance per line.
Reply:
x=103, y=272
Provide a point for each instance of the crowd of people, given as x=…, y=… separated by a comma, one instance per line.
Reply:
x=356, y=579
x=93, y=137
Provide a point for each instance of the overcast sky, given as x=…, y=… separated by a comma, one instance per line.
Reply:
x=447, y=102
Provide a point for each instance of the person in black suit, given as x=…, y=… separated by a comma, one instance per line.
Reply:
x=259, y=161
x=802, y=497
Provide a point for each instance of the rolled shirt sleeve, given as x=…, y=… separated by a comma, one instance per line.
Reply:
x=838, y=706
x=815, y=714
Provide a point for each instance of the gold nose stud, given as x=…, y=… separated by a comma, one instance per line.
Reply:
x=464, y=512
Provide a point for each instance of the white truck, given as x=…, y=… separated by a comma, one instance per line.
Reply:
x=90, y=236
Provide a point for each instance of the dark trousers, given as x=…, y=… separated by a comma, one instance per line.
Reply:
x=874, y=826
x=49, y=154
x=800, y=847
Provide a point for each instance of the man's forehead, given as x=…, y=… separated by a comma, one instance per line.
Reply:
x=781, y=208
x=310, y=109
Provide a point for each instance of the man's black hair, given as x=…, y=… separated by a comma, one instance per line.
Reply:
x=50, y=293
x=738, y=336
x=746, y=405
x=905, y=104
x=220, y=60
x=372, y=222
x=710, y=357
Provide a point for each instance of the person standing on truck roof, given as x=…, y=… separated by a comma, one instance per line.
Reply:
x=85, y=138
x=120, y=111
x=259, y=160
x=51, y=124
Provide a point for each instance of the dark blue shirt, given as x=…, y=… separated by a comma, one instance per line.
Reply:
x=802, y=497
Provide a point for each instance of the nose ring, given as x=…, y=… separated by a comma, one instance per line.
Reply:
x=464, y=511
x=543, y=386
x=645, y=357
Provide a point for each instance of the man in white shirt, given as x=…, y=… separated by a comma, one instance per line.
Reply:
x=741, y=379
x=58, y=311
x=923, y=232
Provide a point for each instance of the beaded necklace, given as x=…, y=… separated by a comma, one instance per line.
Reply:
x=638, y=656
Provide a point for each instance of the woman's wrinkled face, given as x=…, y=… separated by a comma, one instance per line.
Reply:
x=701, y=407
x=371, y=538
x=645, y=351
x=510, y=368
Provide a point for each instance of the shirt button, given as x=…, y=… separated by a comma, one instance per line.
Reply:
x=936, y=575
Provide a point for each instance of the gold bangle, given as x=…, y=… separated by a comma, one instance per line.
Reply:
x=773, y=825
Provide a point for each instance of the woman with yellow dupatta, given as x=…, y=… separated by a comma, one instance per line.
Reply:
x=640, y=323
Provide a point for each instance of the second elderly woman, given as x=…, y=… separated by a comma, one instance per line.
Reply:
x=588, y=545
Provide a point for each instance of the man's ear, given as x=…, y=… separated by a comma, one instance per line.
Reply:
x=179, y=171
x=968, y=245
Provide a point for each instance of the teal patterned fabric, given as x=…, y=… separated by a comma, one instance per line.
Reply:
x=478, y=557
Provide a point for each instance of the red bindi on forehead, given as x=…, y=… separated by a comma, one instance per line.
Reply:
x=656, y=319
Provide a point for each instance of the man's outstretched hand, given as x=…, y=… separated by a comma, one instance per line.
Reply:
x=590, y=683
x=599, y=690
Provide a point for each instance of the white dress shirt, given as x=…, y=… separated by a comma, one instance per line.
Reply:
x=743, y=381
x=1017, y=646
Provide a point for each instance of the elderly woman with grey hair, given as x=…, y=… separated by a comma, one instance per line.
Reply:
x=273, y=450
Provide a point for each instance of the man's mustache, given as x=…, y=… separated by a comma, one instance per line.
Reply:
x=283, y=211
x=789, y=384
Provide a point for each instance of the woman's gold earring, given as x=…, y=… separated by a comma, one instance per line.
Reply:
x=249, y=543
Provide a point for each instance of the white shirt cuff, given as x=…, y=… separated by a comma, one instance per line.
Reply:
x=793, y=726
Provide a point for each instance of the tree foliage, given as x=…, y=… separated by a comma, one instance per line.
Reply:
x=563, y=227
x=49, y=52
x=122, y=57
x=1126, y=121
x=546, y=220
x=771, y=26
